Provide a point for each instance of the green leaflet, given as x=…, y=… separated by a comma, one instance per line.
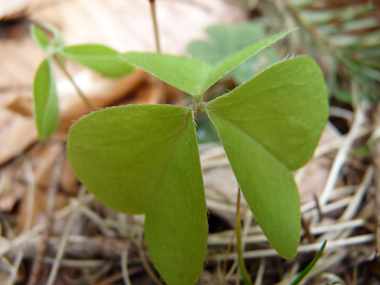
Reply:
x=121, y=153
x=268, y=126
x=40, y=37
x=285, y=108
x=190, y=75
x=176, y=218
x=45, y=100
x=187, y=74
x=99, y=58
x=144, y=158
x=304, y=272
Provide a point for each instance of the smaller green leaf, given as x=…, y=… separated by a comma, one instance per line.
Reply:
x=99, y=58
x=310, y=266
x=46, y=113
x=40, y=37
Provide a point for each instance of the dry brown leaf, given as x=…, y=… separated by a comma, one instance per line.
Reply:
x=69, y=181
x=315, y=173
x=127, y=25
x=222, y=180
x=16, y=134
x=11, y=188
x=39, y=209
x=21, y=105
x=9, y=8
x=45, y=160
x=102, y=92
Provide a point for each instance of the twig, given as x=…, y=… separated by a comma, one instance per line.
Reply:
x=50, y=207
x=124, y=264
x=65, y=236
x=239, y=247
x=28, y=222
x=342, y=154
x=301, y=248
x=152, y=4
x=6, y=247
x=80, y=93
x=144, y=261
x=260, y=272
x=160, y=84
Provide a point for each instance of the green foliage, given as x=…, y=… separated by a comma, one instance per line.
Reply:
x=193, y=76
x=310, y=266
x=226, y=40
x=144, y=158
x=41, y=35
x=274, y=136
x=45, y=100
x=99, y=58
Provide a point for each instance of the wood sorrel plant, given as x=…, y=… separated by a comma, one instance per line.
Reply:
x=99, y=58
x=144, y=159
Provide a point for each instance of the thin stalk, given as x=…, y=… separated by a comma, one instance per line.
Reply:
x=161, y=87
x=155, y=25
x=224, y=266
x=80, y=93
x=239, y=248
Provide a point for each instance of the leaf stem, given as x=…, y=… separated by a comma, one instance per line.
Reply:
x=239, y=248
x=80, y=93
x=160, y=84
x=155, y=25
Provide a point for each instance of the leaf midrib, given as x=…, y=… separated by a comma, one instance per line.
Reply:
x=180, y=133
x=251, y=138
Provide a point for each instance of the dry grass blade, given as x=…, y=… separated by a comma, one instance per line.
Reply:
x=65, y=236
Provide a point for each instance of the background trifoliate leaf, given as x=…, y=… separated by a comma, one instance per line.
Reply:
x=45, y=100
x=99, y=58
x=225, y=40
x=121, y=154
x=268, y=126
x=176, y=217
x=190, y=75
x=235, y=59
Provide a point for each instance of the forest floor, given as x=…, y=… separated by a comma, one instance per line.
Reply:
x=52, y=231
